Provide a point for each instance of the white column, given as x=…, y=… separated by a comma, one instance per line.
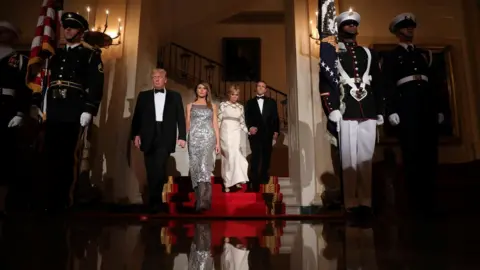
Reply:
x=118, y=168
x=309, y=151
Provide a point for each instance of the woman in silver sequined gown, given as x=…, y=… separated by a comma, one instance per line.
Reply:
x=200, y=257
x=203, y=139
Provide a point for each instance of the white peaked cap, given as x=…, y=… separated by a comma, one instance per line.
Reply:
x=10, y=27
x=400, y=18
x=348, y=16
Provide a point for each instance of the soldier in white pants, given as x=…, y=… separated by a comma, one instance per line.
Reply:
x=357, y=112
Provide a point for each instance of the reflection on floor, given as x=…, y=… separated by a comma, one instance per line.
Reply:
x=58, y=244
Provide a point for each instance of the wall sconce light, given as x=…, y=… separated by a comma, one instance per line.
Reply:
x=103, y=38
x=314, y=35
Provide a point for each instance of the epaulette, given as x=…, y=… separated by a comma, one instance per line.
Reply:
x=87, y=46
x=90, y=47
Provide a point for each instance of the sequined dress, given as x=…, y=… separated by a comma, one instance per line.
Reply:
x=200, y=257
x=201, y=145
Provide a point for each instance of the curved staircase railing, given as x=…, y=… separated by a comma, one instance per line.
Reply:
x=190, y=68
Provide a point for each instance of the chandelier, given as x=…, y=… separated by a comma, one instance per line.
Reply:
x=102, y=38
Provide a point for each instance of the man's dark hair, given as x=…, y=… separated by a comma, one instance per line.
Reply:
x=260, y=81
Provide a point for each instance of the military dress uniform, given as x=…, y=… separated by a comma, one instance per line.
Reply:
x=360, y=101
x=76, y=90
x=414, y=101
x=14, y=106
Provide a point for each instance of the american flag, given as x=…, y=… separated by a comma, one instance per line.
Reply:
x=47, y=35
x=327, y=28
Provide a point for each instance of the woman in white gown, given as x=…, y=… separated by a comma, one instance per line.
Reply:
x=231, y=120
x=234, y=256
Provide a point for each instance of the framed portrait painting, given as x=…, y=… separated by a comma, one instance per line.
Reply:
x=242, y=59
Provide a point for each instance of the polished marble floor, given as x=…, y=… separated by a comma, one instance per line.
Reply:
x=114, y=244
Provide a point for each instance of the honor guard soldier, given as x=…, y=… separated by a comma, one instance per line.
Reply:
x=357, y=109
x=413, y=107
x=73, y=98
x=14, y=105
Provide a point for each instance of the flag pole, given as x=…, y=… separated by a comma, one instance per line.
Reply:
x=328, y=40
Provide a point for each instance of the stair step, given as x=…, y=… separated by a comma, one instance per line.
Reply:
x=287, y=190
x=292, y=210
x=289, y=199
x=233, y=209
x=215, y=180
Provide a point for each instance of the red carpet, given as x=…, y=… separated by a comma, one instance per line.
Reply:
x=181, y=199
x=237, y=204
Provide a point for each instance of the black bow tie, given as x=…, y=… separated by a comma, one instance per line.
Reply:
x=260, y=97
x=411, y=48
x=159, y=91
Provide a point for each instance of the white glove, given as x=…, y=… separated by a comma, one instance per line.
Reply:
x=441, y=118
x=85, y=119
x=16, y=121
x=335, y=116
x=380, y=120
x=394, y=119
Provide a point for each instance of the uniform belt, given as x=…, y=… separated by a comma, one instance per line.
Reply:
x=410, y=78
x=61, y=83
x=7, y=92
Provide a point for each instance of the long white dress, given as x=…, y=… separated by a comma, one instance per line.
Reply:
x=231, y=119
x=234, y=258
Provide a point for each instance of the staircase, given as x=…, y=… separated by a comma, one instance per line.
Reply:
x=189, y=68
x=238, y=203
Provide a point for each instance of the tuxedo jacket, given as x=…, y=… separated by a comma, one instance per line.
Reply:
x=144, y=121
x=265, y=121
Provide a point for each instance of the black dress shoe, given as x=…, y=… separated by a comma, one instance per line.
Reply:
x=165, y=208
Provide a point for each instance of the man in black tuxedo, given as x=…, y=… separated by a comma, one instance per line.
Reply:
x=261, y=116
x=158, y=114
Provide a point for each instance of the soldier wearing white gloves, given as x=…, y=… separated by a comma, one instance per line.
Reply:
x=414, y=109
x=357, y=110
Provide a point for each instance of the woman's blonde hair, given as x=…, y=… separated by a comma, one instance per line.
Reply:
x=207, y=97
x=234, y=89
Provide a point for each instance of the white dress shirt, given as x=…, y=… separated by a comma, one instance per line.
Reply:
x=159, y=105
x=68, y=47
x=405, y=45
x=260, y=102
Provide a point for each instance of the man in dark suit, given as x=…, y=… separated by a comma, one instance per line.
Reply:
x=158, y=114
x=261, y=116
